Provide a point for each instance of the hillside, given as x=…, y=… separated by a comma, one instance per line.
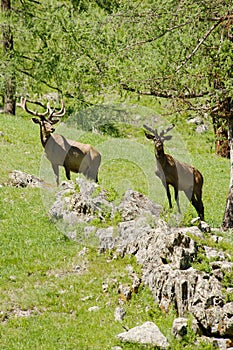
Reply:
x=49, y=283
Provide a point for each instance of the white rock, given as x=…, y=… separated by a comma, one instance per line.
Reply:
x=147, y=333
x=93, y=308
x=119, y=314
x=179, y=327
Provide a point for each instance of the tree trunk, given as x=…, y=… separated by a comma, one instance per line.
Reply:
x=221, y=134
x=228, y=215
x=10, y=85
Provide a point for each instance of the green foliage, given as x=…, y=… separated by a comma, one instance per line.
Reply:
x=201, y=262
x=106, y=220
x=228, y=280
x=89, y=49
x=229, y=296
x=112, y=194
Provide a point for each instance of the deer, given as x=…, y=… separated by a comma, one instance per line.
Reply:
x=181, y=176
x=73, y=156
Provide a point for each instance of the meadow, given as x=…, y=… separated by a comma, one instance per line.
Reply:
x=48, y=283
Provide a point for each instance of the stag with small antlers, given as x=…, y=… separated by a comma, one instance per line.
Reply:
x=73, y=156
x=182, y=176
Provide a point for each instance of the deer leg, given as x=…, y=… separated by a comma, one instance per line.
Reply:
x=96, y=169
x=67, y=169
x=201, y=211
x=66, y=165
x=168, y=195
x=56, y=172
x=96, y=178
x=84, y=166
x=200, y=206
x=177, y=198
x=191, y=197
x=92, y=173
x=195, y=204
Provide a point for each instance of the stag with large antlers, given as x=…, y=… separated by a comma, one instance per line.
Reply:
x=182, y=176
x=73, y=156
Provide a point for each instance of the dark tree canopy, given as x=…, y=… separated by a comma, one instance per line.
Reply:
x=178, y=50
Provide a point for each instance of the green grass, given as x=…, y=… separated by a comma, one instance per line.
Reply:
x=46, y=287
x=19, y=144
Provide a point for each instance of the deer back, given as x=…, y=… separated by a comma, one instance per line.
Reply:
x=79, y=156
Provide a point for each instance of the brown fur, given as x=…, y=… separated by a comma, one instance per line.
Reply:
x=181, y=176
x=73, y=156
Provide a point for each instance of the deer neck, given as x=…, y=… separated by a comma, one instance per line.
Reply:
x=161, y=157
x=159, y=154
x=44, y=137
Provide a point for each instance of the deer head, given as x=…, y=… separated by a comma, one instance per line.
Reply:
x=158, y=138
x=46, y=123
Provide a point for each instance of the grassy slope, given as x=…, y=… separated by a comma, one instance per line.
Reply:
x=41, y=283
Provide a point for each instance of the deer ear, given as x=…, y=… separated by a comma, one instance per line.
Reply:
x=35, y=120
x=167, y=138
x=149, y=136
x=54, y=121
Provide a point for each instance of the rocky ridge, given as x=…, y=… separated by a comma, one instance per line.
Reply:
x=167, y=255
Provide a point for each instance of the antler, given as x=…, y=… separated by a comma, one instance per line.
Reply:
x=163, y=132
x=23, y=104
x=49, y=111
x=160, y=136
x=59, y=113
x=153, y=131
